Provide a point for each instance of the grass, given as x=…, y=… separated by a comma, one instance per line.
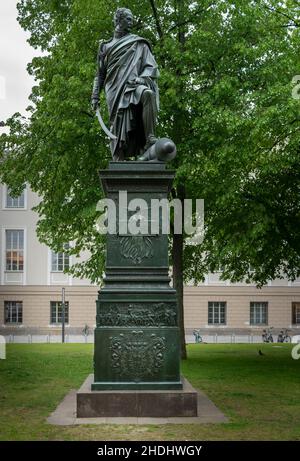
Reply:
x=259, y=394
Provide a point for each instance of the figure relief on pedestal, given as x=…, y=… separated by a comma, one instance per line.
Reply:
x=151, y=314
x=128, y=73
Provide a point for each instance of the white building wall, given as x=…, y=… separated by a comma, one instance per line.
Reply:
x=37, y=256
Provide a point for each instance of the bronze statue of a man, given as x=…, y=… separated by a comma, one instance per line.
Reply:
x=128, y=72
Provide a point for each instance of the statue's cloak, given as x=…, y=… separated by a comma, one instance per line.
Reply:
x=130, y=57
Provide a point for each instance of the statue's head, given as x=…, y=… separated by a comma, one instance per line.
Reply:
x=123, y=19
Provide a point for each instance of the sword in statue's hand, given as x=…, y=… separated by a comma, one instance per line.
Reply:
x=104, y=127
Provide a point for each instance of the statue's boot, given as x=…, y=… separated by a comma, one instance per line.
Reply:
x=149, y=117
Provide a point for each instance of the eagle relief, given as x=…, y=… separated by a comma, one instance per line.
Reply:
x=136, y=247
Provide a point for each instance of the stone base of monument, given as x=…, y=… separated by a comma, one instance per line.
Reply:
x=137, y=403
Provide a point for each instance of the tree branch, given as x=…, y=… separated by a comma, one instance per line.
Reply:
x=157, y=21
x=191, y=19
x=281, y=13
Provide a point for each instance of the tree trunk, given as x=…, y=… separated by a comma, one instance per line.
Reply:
x=178, y=285
x=178, y=240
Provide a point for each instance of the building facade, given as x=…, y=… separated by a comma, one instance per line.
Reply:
x=32, y=277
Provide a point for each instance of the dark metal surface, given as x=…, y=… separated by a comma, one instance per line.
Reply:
x=137, y=333
x=128, y=72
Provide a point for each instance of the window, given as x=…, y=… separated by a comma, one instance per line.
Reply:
x=296, y=313
x=13, y=311
x=56, y=312
x=258, y=313
x=14, y=250
x=217, y=313
x=60, y=261
x=15, y=202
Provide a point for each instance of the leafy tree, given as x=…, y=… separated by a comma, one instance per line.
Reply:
x=226, y=100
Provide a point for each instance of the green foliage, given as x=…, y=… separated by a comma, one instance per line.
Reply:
x=226, y=100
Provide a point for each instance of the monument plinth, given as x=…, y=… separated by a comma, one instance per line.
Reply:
x=137, y=333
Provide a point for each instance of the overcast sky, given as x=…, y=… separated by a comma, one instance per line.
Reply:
x=15, y=54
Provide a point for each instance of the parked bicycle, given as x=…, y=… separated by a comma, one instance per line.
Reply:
x=198, y=337
x=284, y=337
x=267, y=336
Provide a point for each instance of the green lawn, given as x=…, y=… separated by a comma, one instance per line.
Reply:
x=259, y=394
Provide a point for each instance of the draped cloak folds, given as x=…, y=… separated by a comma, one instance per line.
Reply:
x=128, y=58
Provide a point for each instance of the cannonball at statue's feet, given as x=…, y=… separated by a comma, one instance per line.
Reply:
x=163, y=150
